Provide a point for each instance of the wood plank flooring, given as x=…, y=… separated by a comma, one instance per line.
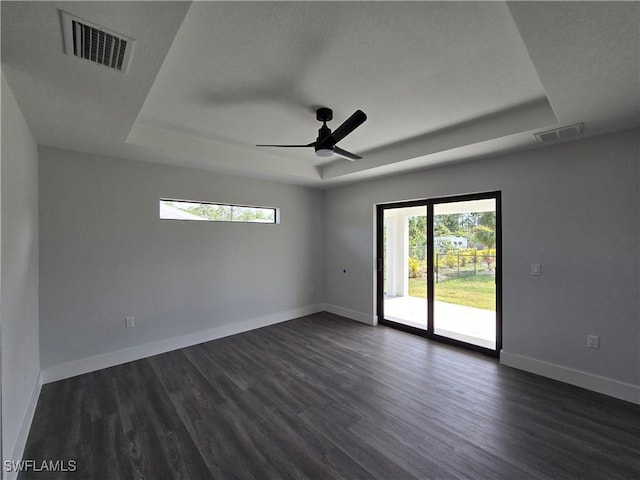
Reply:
x=323, y=397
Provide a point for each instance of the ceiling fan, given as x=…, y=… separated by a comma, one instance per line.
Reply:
x=325, y=144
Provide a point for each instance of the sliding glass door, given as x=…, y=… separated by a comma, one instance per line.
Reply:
x=464, y=272
x=405, y=265
x=439, y=269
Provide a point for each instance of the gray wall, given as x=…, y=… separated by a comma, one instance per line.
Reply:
x=106, y=255
x=573, y=208
x=19, y=279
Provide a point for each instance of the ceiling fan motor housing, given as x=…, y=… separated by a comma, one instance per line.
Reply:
x=324, y=143
x=324, y=133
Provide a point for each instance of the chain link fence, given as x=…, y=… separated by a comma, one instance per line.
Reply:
x=451, y=265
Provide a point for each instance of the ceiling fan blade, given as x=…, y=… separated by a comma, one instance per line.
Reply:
x=312, y=144
x=346, y=155
x=348, y=126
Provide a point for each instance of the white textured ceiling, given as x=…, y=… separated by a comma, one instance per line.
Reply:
x=439, y=81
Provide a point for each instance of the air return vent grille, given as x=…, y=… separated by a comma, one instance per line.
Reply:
x=96, y=44
x=562, y=133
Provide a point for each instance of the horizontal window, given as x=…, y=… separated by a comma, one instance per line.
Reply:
x=215, y=212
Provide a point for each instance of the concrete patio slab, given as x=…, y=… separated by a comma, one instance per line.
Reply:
x=467, y=324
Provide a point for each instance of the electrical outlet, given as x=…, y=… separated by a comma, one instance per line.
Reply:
x=593, y=341
x=129, y=322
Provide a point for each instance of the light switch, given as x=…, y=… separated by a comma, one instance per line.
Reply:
x=593, y=341
x=535, y=269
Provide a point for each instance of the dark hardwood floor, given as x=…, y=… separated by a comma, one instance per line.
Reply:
x=324, y=397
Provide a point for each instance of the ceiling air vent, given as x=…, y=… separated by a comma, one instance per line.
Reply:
x=560, y=133
x=96, y=44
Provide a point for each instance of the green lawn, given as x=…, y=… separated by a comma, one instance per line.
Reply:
x=477, y=291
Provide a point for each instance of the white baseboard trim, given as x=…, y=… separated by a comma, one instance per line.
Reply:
x=25, y=427
x=110, y=359
x=606, y=386
x=352, y=314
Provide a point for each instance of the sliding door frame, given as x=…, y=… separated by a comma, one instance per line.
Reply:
x=429, y=204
